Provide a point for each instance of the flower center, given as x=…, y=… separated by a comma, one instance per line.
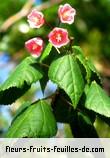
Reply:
x=58, y=38
x=65, y=14
x=35, y=46
x=36, y=20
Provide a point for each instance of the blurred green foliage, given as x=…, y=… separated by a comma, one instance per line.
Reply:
x=9, y=7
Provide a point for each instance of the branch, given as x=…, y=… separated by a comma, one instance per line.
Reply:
x=24, y=12
x=14, y=18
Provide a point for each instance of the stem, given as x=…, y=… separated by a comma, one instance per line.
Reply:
x=57, y=50
x=48, y=24
x=24, y=12
x=65, y=100
x=71, y=43
x=45, y=65
x=59, y=22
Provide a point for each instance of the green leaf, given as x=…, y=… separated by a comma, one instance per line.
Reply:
x=79, y=55
x=22, y=108
x=95, y=75
x=97, y=100
x=65, y=72
x=62, y=110
x=82, y=124
x=36, y=120
x=19, y=81
x=91, y=72
x=46, y=52
x=86, y=128
x=44, y=79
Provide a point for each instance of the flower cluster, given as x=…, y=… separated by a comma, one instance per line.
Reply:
x=58, y=37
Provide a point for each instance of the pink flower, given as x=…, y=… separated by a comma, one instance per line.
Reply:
x=66, y=13
x=58, y=37
x=36, y=19
x=34, y=46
